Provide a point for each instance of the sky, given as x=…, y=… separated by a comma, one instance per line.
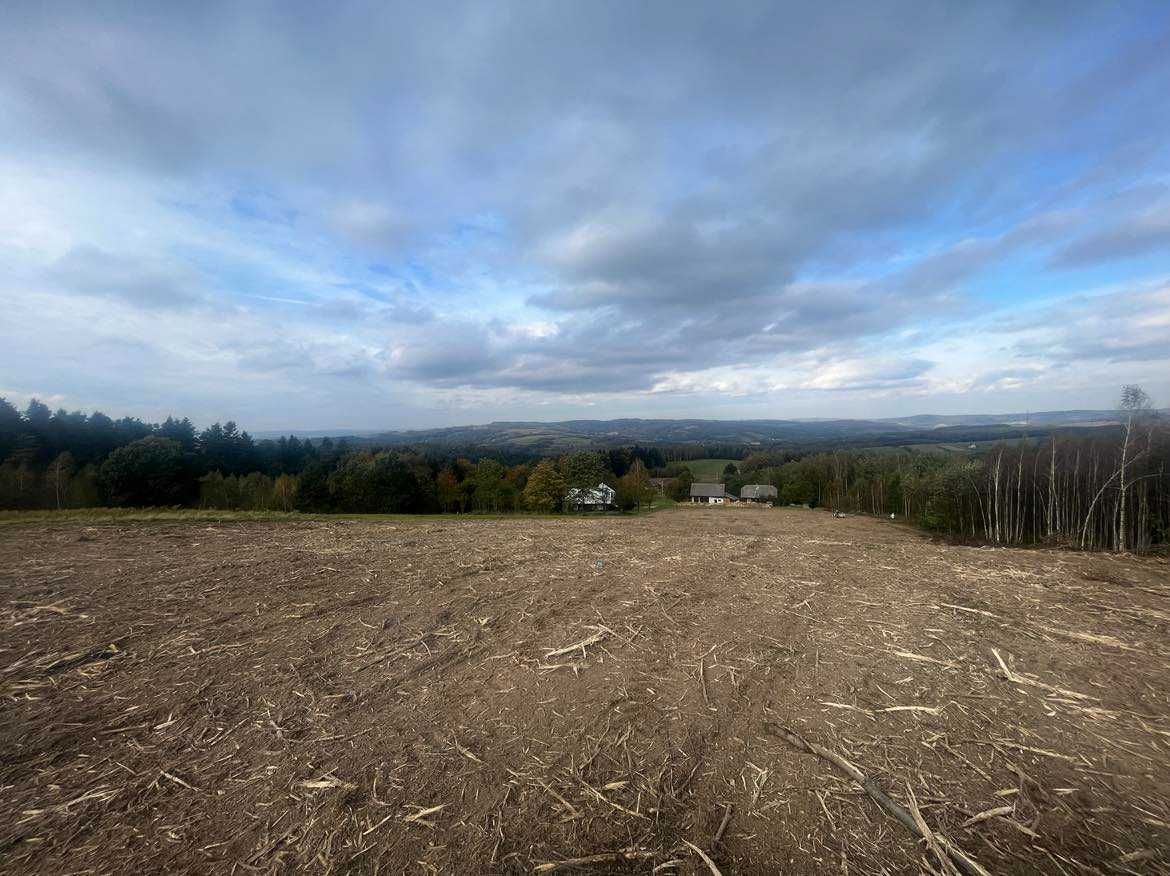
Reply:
x=397, y=215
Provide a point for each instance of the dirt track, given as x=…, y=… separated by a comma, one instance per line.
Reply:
x=404, y=697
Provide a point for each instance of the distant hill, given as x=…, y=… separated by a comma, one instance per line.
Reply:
x=538, y=438
x=314, y=433
x=1033, y=418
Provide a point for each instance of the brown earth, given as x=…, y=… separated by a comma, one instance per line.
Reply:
x=457, y=696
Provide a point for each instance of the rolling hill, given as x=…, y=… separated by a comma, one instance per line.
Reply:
x=537, y=438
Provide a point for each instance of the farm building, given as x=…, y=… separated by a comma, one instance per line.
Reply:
x=596, y=498
x=758, y=493
x=709, y=494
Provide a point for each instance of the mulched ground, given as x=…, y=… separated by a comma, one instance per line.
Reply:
x=581, y=695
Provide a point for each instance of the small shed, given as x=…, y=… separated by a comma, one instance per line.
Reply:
x=758, y=493
x=708, y=494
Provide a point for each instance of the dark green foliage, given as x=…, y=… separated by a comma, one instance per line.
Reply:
x=313, y=490
x=633, y=488
x=250, y=492
x=150, y=471
x=733, y=481
x=228, y=450
x=38, y=414
x=178, y=430
x=583, y=469
x=11, y=425
x=680, y=490
x=795, y=493
x=376, y=483
x=488, y=481
x=1066, y=488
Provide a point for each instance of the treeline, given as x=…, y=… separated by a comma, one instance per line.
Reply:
x=1104, y=490
x=676, y=453
x=1109, y=490
x=67, y=459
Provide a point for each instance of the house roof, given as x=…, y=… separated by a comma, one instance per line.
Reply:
x=601, y=494
x=708, y=490
x=758, y=491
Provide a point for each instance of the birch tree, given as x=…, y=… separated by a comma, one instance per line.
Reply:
x=1135, y=405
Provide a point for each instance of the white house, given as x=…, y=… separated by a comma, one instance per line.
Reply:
x=591, y=498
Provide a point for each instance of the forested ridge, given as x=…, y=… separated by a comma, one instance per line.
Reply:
x=61, y=459
x=1108, y=489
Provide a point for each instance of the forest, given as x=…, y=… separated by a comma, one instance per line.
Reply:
x=1108, y=489
x=60, y=459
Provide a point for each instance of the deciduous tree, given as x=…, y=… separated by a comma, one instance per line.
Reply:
x=545, y=489
x=447, y=488
x=583, y=469
x=59, y=472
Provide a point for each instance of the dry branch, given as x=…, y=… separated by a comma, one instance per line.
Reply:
x=706, y=859
x=601, y=633
x=988, y=813
x=718, y=838
x=633, y=853
x=884, y=801
x=1032, y=682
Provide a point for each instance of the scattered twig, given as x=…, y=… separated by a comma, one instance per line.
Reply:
x=1032, y=682
x=722, y=825
x=706, y=859
x=601, y=633
x=633, y=853
x=883, y=800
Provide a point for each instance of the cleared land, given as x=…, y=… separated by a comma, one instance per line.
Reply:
x=605, y=694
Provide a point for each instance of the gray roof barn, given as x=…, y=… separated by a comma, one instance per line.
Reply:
x=758, y=491
x=710, y=491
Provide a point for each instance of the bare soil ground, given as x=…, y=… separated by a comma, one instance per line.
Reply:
x=582, y=695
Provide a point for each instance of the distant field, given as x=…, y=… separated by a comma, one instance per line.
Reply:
x=710, y=470
x=661, y=501
x=962, y=448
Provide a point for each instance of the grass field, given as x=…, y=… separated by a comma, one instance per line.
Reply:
x=708, y=470
x=93, y=516
x=954, y=448
x=602, y=694
x=210, y=515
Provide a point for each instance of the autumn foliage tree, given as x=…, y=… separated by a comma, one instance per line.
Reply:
x=633, y=488
x=447, y=490
x=545, y=488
